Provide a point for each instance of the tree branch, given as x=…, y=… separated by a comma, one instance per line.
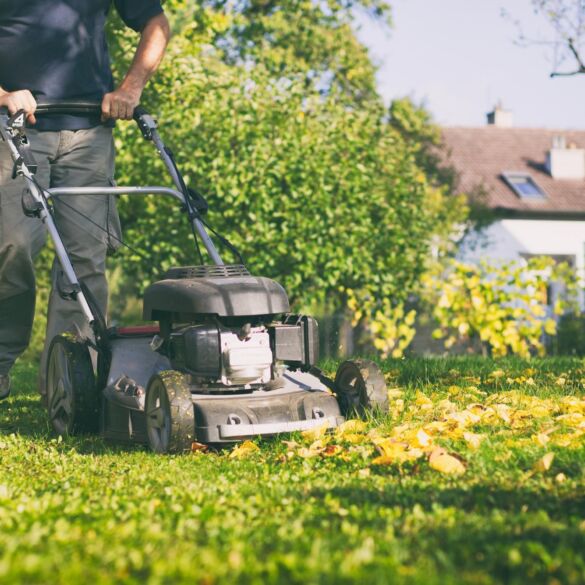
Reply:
x=573, y=50
x=581, y=69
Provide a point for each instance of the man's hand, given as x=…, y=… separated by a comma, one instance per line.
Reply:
x=19, y=100
x=120, y=104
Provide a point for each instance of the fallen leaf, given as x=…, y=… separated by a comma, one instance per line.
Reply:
x=307, y=453
x=383, y=460
x=560, y=478
x=354, y=438
x=201, y=447
x=544, y=463
x=441, y=461
x=473, y=439
x=422, y=440
x=244, y=450
x=331, y=450
x=540, y=439
x=290, y=444
x=351, y=426
x=316, y=432
x=396, y=451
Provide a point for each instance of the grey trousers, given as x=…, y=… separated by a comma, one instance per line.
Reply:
x=65, y=159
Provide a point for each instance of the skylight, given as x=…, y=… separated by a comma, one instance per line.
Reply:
x=524, y=186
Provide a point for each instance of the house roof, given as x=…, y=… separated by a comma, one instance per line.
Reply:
x=481, y=155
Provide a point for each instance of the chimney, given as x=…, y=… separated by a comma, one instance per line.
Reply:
x=500, y=118
x=564, y=162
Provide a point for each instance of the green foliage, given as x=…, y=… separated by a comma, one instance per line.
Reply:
x=86, y=511
x=504, y=305
x=272, y=113
x=570, y=339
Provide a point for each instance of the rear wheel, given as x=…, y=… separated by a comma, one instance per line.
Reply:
x=72, y=400
x=360, y=388
x=170, y=418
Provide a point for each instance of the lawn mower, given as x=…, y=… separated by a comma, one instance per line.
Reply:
x=221, y=358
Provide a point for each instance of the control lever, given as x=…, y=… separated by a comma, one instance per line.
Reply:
x=15, y=127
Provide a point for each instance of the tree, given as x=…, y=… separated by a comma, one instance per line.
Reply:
x=566, y=19
x=273, y=114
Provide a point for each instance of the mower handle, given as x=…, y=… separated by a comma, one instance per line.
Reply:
x=55, y=107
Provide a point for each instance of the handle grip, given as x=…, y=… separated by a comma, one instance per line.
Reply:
x=54, y=107
x=47, y=107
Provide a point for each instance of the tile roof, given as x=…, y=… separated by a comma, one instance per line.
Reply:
x=481, y=155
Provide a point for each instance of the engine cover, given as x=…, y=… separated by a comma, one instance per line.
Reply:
x=224, y=295
x=246, y=361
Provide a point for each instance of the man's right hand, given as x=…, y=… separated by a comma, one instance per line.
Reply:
x=19, y=100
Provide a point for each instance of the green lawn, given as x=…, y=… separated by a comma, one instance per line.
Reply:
x=361, y=506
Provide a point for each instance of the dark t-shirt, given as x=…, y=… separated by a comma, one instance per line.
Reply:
x=57, y=49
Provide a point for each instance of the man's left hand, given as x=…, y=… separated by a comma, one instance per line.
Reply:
x=120, y=104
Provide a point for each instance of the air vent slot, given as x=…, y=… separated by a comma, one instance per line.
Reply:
x=211, y=271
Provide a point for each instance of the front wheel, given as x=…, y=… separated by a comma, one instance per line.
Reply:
x=170, y=417
x=72, y=400
x=360, y=388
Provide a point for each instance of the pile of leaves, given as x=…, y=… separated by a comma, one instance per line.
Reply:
x=439, y=429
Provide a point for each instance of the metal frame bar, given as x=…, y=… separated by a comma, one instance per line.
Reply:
x=46, y=217
x=199, y=227
x=148, y=126
x=242, y=431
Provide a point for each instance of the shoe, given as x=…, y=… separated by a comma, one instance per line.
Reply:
x=4, y=386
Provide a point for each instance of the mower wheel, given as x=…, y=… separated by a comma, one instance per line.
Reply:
x=360, y=388
x=72, y=400
x=170, y=417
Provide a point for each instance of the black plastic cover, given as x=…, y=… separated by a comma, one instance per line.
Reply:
x=197, y=350
x=240, y=296
x=296, y=341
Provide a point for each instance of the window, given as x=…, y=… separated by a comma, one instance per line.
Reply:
x=524, y=186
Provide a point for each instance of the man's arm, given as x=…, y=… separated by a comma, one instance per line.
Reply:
x=154, y=38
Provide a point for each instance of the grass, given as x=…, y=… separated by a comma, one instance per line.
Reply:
x=318, y=509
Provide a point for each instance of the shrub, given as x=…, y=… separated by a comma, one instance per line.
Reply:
x=505, y=306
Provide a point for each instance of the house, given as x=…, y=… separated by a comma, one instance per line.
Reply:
x=531, y=180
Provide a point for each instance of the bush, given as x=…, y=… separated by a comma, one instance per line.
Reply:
x=504, y=305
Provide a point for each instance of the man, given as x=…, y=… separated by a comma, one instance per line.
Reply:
x=57, y=49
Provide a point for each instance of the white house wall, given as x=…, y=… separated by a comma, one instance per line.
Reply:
x=507, y=239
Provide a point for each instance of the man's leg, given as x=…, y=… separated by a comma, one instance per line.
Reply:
x=21, y=239
x=85, y=159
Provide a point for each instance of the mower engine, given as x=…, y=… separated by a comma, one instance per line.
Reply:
x=234, y=358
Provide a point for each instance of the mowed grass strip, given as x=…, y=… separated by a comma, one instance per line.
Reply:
x=368, y=504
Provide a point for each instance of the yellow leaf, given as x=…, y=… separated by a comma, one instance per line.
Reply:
x=351, y=426
x=473, y=439
x=540, y=439
x=422, y=440
x=544, y=463
x=316, y=432
x=422, y=400
x=441, y=461
x=503, y=412
x=383, y=460
x=560, y=477
x=354, y=438
x=307, y=453
x=397, y=452
x=244, y=450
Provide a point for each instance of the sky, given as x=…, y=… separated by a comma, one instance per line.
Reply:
x=459, y=58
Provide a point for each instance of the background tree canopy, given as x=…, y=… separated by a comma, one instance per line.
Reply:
x=272, y=111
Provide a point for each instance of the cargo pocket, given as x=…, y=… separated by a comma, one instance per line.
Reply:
x=113, y=226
